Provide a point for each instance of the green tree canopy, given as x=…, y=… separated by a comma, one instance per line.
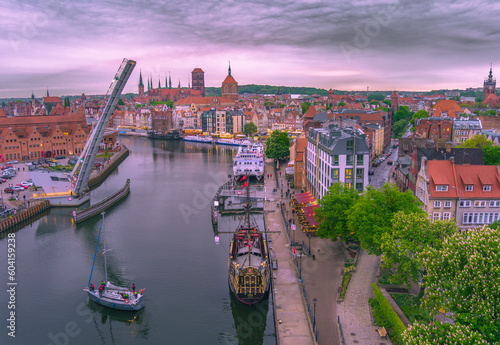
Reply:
x=441, y=334
x=120, y=102
x=333, y=209
x=278, y=145
x=400, y=128
x=477, y=141
x=341, y=104
x=305, y=106
x=370, y=218
x=419, y=115
x=411, y=233
x=376, y=97
x=250, y=128
x=491, y=155
x=462, y=277
x=402, y=113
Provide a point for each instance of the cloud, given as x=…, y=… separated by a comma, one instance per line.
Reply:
x=410, y=43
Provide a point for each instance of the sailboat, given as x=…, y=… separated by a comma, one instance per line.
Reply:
x=112, y=296
x=248, y=271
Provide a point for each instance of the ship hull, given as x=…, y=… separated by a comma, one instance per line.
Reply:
x=136, y=305
x=246, y=298
x=164, y=136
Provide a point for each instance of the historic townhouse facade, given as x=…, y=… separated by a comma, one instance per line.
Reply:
x=470, y=194
x=336, y=155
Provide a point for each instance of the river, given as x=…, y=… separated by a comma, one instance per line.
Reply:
x=160, y=238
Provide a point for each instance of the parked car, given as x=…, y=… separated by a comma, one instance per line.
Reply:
x=12, y=162
x=375, y=164
x=60, y=157
x=7, y=166
x=26, y=183
x=371, y=172
x=389, y=162
x=20, y=185
x=13, y=189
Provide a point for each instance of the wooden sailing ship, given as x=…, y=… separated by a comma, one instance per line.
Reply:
x=249, y=269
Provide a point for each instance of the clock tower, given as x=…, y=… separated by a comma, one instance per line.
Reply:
x=489, y=85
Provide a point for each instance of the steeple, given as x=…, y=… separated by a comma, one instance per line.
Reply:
x=140, y=79
x=48, y=91
x=166, y=81
x=32, y=95
x=159, y=85
x=229, y=69
x=179, y=84
x=490, y=76
x=169, y=81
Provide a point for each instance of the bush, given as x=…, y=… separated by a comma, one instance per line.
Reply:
x=346, y=278
x=385, y=274
x=378, y=315
x=391, y=316
x=410, y=305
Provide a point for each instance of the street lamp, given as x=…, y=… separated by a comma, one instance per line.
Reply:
x=300, y=267
x=314, y=315
x=458, y=205
x=309, y=243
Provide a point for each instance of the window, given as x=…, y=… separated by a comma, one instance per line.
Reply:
x=348, y=185
x=465, y=203
x=359, y=159
x=359, y=173
x=447, y=204
x=479, y=203
x=359, y=186
x=335, y=173
x=495, y=203
x=336, y=160
x=464, y=132
x=441, y=188
x=437, y=204
x=469, y=188
x=446, y=216
x=487, y=188
x=350, y=144
x=436, y=216
x=348, y=173
x=348, y=160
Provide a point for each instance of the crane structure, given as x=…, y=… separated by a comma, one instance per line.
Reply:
x=88, y=154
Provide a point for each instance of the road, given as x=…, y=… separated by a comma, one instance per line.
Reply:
x=381, y=173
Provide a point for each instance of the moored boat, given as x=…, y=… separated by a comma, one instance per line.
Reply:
x=109, y=295
x=249, y=161
x=249, y=271
x=198, y=139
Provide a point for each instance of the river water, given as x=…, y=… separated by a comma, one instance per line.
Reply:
x=161, y=239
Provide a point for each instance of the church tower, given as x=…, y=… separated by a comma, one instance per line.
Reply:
x=489, y=85
x=141, y=85
x=230, y=86
x=198, y=80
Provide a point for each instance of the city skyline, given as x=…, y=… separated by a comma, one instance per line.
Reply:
x=73, y=48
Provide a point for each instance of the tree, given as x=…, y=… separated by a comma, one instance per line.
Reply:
x=441, y=334
x=305, y=106
x=341, y=104
x=371, y=216
x=477, y=141
x=462, y=277
x=386, y=101
x=402, y=113
x=66, y=102
x=250, y=128
x=400, y=128
x=491, y=155
x=278, y=145
x=411, y=233
x=419, y=115
x=333, y=209
x=121, y=102
x=374, y=102
x=375, y=96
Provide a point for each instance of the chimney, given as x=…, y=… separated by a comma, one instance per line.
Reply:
x=448, y=147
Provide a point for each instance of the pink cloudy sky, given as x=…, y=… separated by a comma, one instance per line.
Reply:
x=73, y=47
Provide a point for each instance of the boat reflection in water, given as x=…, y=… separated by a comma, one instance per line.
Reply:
x=250, y=321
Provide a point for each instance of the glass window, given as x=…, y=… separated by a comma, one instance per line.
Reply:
x=469, y=188
x=348, y=173
x=336, y=160
x=348, y=160
x=437, y=204
x=335, y=173
x=359, y=159
x=447, y=204
x=359, y=186
x=446, y=215
x=350, y=144
x=359, y=173
x=495, y=203
x=487, y=188
x=441, y=188
x=436, y=216
x=479, y=203
x=465, y=203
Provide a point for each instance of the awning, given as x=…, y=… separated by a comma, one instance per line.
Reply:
x=309, y=209
x=304, y=198
x=310, y=219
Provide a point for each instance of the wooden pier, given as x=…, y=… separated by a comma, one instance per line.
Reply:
x=27, y=214
x=92, y=210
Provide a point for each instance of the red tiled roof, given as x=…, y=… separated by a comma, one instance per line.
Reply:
x=52, y=100
x=2, y=113
x=229, y=80
x=197, y=70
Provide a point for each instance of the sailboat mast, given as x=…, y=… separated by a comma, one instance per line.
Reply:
x=104, y=253
x=96, y=246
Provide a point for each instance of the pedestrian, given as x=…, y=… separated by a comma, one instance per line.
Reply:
x=133, y=287
x=280, y=173
x=100, y=291
x=91, y=287
x=135, y=294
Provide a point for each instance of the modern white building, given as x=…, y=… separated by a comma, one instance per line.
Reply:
x=334, y=155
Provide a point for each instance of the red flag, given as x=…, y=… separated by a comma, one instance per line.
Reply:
x=244, y=178
x=293, y=250
x=246, y=184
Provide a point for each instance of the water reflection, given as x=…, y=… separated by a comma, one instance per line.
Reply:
x=250, y=321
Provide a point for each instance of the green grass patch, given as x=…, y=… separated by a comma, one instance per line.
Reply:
x=410, y=305
x=105, y=155
x=346, y=278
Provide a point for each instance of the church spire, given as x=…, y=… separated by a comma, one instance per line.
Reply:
x=229, y=69
x=140, y=79
x=169, y=80
x=490, y=76
x=159, y=85
x=166, y=81
x=179, y=84
x=48, y=91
